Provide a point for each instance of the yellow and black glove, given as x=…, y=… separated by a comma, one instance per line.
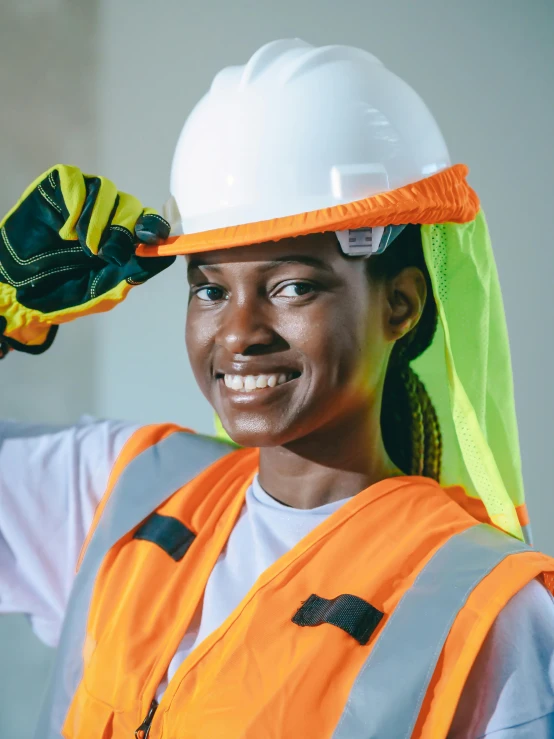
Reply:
x=67, y=249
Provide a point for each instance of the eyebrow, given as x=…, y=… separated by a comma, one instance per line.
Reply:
x=270, y=263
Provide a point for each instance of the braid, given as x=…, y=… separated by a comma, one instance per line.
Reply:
x=433, y=438
x=414, y=389
x=409, y=422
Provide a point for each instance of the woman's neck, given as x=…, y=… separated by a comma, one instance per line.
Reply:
x=327, y=465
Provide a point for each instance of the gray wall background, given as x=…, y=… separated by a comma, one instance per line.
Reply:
x=107, y=84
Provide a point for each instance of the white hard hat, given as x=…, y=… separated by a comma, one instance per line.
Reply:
x=302, y=130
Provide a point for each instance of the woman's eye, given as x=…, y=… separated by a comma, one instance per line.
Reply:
x=209, y=293
x=296, y=290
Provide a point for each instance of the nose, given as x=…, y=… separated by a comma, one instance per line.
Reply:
x=246, y=329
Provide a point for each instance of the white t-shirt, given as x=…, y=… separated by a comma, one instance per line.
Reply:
x=51, y=481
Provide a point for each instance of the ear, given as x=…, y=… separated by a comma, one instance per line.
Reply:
x=406, y=296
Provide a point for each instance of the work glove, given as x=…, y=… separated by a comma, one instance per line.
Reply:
x=67, y=249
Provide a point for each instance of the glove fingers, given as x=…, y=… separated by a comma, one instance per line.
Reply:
x=95, y=211
x=128, y=211
x=69, y=192
x=151, y=228
x=92, y=205
x=110, y=278
x=141, y=269
x=118, y=247
x=85, y=285
x=107, y=227
x=120, y=243
x=99, y=208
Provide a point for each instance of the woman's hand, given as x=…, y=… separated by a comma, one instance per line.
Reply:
x=67, y=249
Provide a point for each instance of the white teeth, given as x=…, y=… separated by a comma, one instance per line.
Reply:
x=251, y=382
x=236, y=382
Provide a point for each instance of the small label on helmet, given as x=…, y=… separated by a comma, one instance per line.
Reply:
x=360, y=242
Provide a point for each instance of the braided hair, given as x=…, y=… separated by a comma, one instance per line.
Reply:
x=409, y=423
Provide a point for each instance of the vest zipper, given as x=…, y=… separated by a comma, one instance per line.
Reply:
x=144, y=729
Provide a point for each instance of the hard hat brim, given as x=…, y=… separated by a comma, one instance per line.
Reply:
x=441, y=198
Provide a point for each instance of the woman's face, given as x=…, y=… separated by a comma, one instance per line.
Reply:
x=287, y=337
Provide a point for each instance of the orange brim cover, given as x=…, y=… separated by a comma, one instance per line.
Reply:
x=444, y=197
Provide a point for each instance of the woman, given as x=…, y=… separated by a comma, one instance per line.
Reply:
x=329, y=578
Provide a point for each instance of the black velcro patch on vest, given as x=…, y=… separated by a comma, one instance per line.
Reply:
x=351, y=614
x=168, y=533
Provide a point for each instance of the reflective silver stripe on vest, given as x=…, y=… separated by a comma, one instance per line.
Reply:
x=527, y=534
x=148, y=480
x=388, y=692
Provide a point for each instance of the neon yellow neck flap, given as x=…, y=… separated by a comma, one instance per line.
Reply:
x=467, y=371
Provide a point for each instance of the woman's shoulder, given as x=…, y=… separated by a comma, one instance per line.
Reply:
x=511, y=683
x=532, y=609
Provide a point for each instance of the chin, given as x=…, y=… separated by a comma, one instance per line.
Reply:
x=255, y=431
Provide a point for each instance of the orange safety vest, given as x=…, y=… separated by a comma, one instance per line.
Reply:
x=367, y=628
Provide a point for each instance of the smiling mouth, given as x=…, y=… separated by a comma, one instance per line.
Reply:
x=251, y=383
